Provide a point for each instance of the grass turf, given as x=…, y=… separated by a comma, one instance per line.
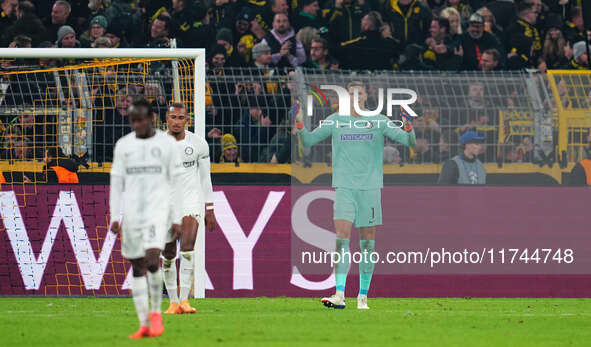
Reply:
x=291, y=321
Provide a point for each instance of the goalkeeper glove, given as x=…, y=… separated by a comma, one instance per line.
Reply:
x=297, y=114
x=406, y=124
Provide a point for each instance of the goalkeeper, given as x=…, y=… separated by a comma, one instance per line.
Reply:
x=357, y=176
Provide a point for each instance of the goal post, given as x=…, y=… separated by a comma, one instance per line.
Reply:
x=71, y=99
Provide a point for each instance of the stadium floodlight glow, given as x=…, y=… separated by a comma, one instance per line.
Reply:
x=194, y=86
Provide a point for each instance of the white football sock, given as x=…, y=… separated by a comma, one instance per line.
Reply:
x=139, y=292
x=186, y=276
x=169, y=269
x=155, y=282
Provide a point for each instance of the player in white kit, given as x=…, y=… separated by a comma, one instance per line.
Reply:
x=144, y=178
x=197, y=189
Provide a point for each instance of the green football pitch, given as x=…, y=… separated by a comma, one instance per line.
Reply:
x=294, y=321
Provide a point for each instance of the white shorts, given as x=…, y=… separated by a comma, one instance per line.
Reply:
x=187, y=212
x=136, y=240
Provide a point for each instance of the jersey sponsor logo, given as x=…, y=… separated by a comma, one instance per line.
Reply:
x=356, y=137
x=188, y=150
x=143, y=170
x=189, y=163
x=156, y=152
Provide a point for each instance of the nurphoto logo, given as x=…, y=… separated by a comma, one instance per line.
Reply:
x=345, y=100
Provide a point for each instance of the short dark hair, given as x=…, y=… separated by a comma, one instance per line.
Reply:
x=22, y=40
x=443, y=23
x=165, y=19
x=495, y=54
x=26, y=7
x=356, y=83
x=178, y=105
x=322, y=41
x=523, y=6
x=143, y=102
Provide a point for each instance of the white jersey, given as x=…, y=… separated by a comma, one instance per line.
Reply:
x=149, y=168
x=195, y=178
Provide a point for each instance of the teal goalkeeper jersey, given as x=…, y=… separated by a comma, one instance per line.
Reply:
x=357, y=148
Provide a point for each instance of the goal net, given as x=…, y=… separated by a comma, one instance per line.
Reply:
x=73, y=103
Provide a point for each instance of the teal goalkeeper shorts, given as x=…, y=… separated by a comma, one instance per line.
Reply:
x=361, y=207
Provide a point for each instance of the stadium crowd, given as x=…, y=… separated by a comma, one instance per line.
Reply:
x=250, y=41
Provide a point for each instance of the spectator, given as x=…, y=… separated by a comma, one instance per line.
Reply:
x=410, y=21
x=306, y=35
x=525, y=150
x=222, y=13
x=159, y=31
x=102, y=42
x=553, y=52
x=27, y=23
x=455, y=24
x=575, y=28
x=259, y=27
x=47, y=62
x=344, y=21
x=66, y=38
x=154, y=93
x=60, y=16
x=580, y=60
x=243, y=36
x=97, y=7
x=462, y=7
x=441, y=51
x=241, y=26
x=117, y=41
x=375, y=49
x=465, y=168
x=125, y=21
x=8, y=15
x=475, y=41
x=17, y=145
x=193, y=28
x=58, y=168
x=490, y=22
x=319, y=58
x=426, y=149
x=180, y=17
x=490, y=60
x=21, y=41
x=217, y=60
x=233, y=58
x=261, y=53
x=308, y=16
x=98, y=28
x=279, y=6
x=580, y=175
x=229, y=150
x=286, y=51
x=253, y=132
x=110, y=125
x=523, y=40
x=412, y=59
x=391, y=155
x=503, y=11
